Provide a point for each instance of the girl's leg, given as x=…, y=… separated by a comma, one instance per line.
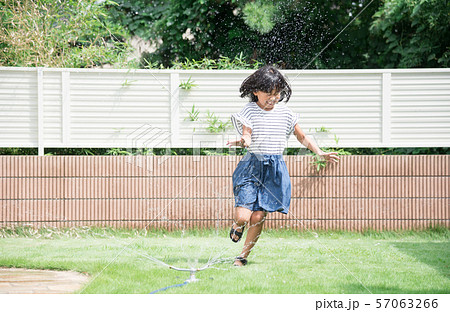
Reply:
x=241, y=218
x=254, y=231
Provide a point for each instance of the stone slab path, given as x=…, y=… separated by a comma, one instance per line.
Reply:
x=24, y=281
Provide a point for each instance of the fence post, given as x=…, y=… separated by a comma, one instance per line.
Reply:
x=174, y=108
x=65, y=102
x=386, y=110
x=40, y=110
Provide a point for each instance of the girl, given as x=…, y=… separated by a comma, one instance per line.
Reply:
x=261, y=182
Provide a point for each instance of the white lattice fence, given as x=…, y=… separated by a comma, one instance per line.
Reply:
x=41, y=107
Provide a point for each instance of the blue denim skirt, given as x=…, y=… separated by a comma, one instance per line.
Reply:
x=262, y=183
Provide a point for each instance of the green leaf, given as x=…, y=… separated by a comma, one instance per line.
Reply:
x=415, y=10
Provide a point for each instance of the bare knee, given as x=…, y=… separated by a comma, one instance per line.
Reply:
x=241, y=220
x=257, y=217
x=242, y=215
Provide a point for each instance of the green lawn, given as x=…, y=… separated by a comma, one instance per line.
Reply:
x=282, y=261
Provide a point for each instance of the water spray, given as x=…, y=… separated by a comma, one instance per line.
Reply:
x=192, y=271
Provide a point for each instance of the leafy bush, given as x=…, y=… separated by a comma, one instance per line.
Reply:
x=49, y=33
x=259, y=16
x=294, y=33
x=223, y=62
x=412, y=33
x=288, y=32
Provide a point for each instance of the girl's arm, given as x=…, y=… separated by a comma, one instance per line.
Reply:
x=245, y=140
x=309, y=144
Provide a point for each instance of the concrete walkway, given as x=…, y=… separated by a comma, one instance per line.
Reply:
x=24, y=281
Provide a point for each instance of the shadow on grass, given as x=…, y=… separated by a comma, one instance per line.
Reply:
x=433, y=254
x=378, y=289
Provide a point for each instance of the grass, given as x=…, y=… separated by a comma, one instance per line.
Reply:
x=282, y=261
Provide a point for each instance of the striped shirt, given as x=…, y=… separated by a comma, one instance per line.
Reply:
x=270, y=129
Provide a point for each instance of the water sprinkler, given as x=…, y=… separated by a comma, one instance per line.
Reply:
x=191, y=271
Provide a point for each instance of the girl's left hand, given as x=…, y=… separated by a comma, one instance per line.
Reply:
x=330, y=157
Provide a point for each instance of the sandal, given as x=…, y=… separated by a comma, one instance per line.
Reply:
x=237, y=233
x=243, y=261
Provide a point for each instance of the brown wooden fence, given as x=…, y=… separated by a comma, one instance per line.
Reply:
x=177, y=192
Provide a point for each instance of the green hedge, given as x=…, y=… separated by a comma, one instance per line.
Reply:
x=206, y=151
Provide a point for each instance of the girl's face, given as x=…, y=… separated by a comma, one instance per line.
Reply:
x=266, y=100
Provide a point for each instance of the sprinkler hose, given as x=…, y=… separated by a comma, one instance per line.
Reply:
x=165, y=288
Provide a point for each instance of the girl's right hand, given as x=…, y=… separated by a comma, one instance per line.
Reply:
x=240, y=143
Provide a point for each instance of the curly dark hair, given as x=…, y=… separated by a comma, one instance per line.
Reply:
x=266, y=79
